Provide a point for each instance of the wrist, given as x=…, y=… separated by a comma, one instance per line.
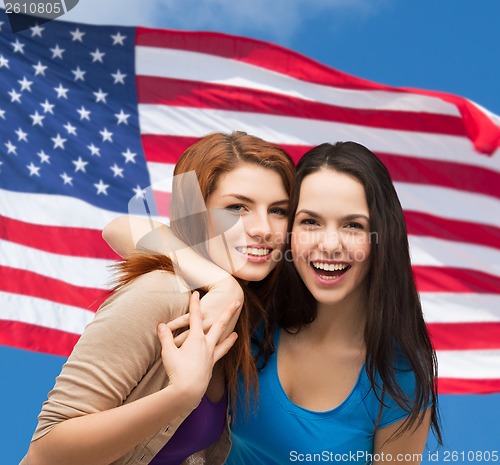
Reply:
x=185, y=395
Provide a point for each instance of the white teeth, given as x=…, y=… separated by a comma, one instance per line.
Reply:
x=254, y=251
x=330, y=266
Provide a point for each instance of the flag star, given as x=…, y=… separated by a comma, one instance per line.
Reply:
x=118, y=38
x=18, y=46
x=122, y=117
x=4, y=62
x=71, y=129
x=57, y=52
x=80, y=164
x=58, y=141
x=21, y=135
x=84, y=113
x=47, y=107
x=100, y=96
x=37, y=31
x=77, y=35
x=101, y=187
x=94, y=150
x=2, y=113
x=37, y=119
x=11, y=148
x=34, y=170
x=25, y=84
x=139, y=193
x=79, y=74
x=106, y=135
x=97, y=55
x=14, y=96
x=129, y=156
x=39, y=68
x=117, y=171
x=67, y=179
x=61, y=91
x=44, y=158
x=119, y=77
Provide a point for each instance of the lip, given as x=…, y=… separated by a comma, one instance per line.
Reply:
x=329, y=281
x=255, y=258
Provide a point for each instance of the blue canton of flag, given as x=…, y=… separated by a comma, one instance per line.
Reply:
x=68, y=113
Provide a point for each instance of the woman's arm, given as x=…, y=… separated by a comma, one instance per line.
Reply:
x=125, y=233
x=407, y=448
x=116, y=350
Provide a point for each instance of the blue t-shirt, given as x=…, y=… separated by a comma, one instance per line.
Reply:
x=278, y=431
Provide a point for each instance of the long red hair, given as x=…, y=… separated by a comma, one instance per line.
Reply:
x=210, y=157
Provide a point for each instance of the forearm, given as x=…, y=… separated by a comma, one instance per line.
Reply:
x=124, y=232
x=104, y=437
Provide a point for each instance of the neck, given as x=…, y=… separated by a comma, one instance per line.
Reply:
x=343, y=322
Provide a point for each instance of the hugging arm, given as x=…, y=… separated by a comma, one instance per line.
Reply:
x=127, y=233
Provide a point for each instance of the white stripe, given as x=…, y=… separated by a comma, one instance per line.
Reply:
x=161, y=175
x=449, y=203
x=79, y=271
x=428, y=251
x=50, y=210
x=40, y=312
x=447, y=307
x=187, y=65
x=196, y=122
x=466, y=364
x=53, y=210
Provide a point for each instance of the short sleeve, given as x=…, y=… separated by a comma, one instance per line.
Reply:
x=392, y=412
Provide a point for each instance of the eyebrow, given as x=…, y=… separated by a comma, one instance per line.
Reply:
x=249, y=200
x=350, y=217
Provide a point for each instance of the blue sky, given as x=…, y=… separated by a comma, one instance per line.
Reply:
x=446, y=45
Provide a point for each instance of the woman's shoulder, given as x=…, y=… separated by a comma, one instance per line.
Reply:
x=153, y=294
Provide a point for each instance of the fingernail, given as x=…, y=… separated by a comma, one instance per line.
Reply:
x=196, y=294
x=162, y=327
x=237, y=304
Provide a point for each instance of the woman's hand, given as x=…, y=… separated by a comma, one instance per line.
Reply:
x=189, y=367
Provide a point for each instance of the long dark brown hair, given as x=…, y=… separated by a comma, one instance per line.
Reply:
x=395, y=325
x=211, y=157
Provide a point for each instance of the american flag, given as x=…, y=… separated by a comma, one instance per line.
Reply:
x=90, y=116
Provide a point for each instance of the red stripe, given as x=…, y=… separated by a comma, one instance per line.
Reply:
x=468, y=386
x=460, y=176
x=465, y=336
x=445, y=279
x=81, y=242
x=175, y=92
x=162, y=200
x=468, y=178
x=165, y=149
x=36, y=338
x=24, y=282
x=422, y=224
x=254, y=52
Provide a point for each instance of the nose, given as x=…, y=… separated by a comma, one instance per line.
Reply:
x=259, y=227
x=330, y=242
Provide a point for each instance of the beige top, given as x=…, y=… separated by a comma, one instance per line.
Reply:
x=118, y=360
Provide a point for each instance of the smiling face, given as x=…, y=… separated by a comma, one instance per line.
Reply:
x=331, y=236
x=247, y=212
